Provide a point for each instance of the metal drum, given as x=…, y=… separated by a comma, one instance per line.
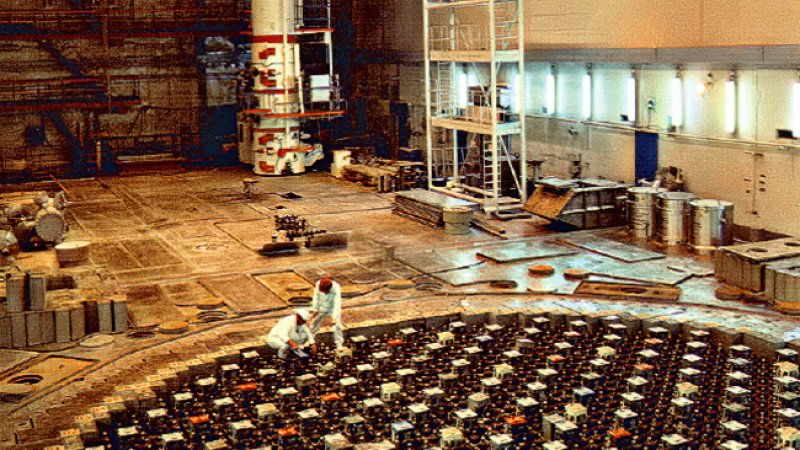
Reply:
x=712, y=225
x=672, y=217
x=641, y=211
x=457, y=220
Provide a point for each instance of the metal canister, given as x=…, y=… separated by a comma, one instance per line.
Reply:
x=457, y=220
x=641, y=211
x=672, y=217
x=712, y=225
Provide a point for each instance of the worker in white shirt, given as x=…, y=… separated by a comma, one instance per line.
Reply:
x=327, y=303
x=292, y=332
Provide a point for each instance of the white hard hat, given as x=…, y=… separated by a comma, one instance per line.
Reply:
x=303, y=313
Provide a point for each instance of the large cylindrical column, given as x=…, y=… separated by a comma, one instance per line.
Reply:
x=276, y=135
x=285, y=91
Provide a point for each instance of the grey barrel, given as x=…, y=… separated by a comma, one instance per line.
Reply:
x=712, y=225
x=641, y=211
x=672, y=224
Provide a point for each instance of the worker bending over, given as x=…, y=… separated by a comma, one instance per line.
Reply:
x=327, y=302
x=292, y=332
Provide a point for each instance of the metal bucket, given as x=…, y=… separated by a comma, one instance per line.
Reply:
x=712, y=225
x=672, y=217
x=641, y=211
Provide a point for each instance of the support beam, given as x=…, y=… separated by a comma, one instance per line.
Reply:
x=75, y=69
x=7, y=34
x=521, y=105
x=494, y=67
x=72, y=66
x=78, y=163
x=428, y=118
x=67, y=104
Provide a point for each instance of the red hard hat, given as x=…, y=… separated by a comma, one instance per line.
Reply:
x=325, y=284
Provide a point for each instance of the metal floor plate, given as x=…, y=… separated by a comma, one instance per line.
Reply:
x=695, y=268
x=523, y=251
x=435, y=199
x=442, y=260
x=649, y=272
x=485, y=273
x=148, y=306
x=610, y=248
x=48, y=371
x=243, y=294
x=435, y=261
x=286, y=285
x=10, y=359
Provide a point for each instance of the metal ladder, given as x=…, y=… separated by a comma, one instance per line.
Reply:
x=487, y=163
x=441, y=152
x=503, y=203
x=442, y=90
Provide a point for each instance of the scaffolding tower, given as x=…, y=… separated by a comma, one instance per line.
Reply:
x=483, y=34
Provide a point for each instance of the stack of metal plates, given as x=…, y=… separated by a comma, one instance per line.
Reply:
x=744, y=265
x=426, y=207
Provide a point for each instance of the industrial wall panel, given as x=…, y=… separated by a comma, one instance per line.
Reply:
x=620, y=55
x=104, y=316
x=781, y=54
x=33, y=328
x=62, y=325
x=744, y=55
x=599, y=151
x=5, y=332
x=47, y=322
x=15, y=293
x=37, y=291
x=77, y=321
x=19, y=336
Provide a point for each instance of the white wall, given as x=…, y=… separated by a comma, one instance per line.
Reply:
x=764, y=187
x=569, y=84
x=763, y=181
x=773, y=94
x=763, y=97
x=747, y=22
x=609, y=99
x=632, y=23
x=603, y=152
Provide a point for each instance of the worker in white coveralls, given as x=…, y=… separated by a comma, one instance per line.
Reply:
x=291, y=332
x=327, y=303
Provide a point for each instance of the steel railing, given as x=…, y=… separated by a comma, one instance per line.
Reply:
x=474, y=37
x=27, y=91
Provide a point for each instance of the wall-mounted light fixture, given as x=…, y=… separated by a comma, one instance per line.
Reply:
x=676, y=100
x=796, y=108
x=731, y=104
x=630, y=97
x=705, y=86
x=586, y=96
x=550, y=92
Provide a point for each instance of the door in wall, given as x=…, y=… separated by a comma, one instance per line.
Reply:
x=646, y=155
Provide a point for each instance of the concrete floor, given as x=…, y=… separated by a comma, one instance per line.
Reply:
x=173, y=242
